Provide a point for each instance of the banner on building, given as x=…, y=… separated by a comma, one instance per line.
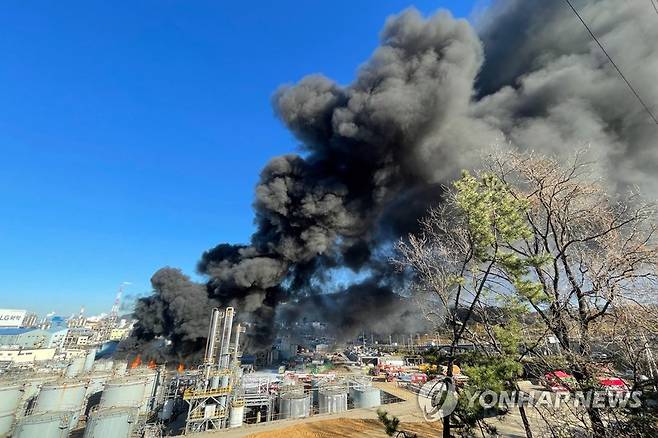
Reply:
x=11, y=317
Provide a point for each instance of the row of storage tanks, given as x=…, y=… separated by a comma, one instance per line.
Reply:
x=330, y=399
x=111, y=399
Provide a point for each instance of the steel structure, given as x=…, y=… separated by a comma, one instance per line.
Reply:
x=217, y=391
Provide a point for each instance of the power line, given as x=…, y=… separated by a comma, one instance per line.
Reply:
x=637, y=95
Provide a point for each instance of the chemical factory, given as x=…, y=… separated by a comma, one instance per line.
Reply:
x=95, y=398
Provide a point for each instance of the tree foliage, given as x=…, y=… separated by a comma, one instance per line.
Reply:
x=540, y=247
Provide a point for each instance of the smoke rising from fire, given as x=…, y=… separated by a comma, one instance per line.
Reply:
x=375, y=153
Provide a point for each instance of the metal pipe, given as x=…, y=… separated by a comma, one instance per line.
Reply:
x=239, y=329
x=212, y=336
x=226, y=338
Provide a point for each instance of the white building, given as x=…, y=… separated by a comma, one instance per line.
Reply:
x=57, y=338
x=26, y=355
x=32, y=338
x=12, y=318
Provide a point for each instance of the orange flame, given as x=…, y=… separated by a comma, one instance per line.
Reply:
x=180, y=368
x=137, y=362
x=152, y=365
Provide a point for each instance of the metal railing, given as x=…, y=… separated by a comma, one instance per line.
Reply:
x=201, y=415
x=221, y=372
x=191, y=393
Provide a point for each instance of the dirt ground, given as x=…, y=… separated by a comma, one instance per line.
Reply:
x=347, y=428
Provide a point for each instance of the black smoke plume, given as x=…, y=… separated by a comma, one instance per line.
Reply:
x=173, y=322
x=375, y=153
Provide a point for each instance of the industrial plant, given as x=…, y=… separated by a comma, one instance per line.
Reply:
x=92, y=397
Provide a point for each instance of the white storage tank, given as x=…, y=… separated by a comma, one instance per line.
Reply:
x=103, y=365
x=126, y=392
x=44, y=425
x=236, y=415
x=62, y=396
x=294, y=405
x=95, y=387
x=332, y=400
x=120, y=368
x=111, y=423
x=75, y=367
x=97, y=382
x=6, y=423
x=89, y=360
x=31, y=388
x=150, y=388
x=365, y=396
x=10, y=396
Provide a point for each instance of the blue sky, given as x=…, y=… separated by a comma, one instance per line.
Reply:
x=132, y=133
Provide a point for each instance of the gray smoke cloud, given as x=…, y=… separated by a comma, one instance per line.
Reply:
x=375, y=153
x=547, y=86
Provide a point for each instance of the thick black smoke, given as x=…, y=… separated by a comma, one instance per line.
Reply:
x=375, y=153
x=173, y=322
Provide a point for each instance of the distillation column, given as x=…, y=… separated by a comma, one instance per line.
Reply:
x=208, y=402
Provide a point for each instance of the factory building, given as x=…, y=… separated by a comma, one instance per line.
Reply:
x=57, y=338
x=78, y=337
x=26, y=355
x=118, y=334
x=32, y=338
x=12, y=318
x=24, y=337
x=76, y=395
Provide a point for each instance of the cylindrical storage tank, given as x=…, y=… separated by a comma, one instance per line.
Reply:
x=97, y=382
x=89, y=359
x=237, y=415
x=75, y=367
x=62, y=396
x=294, y=405
x=44, y=425
x=31, y=388
x=10, y=396
x=120, y=368
x=6, y=423
x=332, y=400
x=111, y=423
x=95, y=388
x=103, y=365
x=126, y=392
x=366, y=397
x=151, y=377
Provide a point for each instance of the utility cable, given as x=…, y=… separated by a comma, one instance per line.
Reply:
x=637, y=95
